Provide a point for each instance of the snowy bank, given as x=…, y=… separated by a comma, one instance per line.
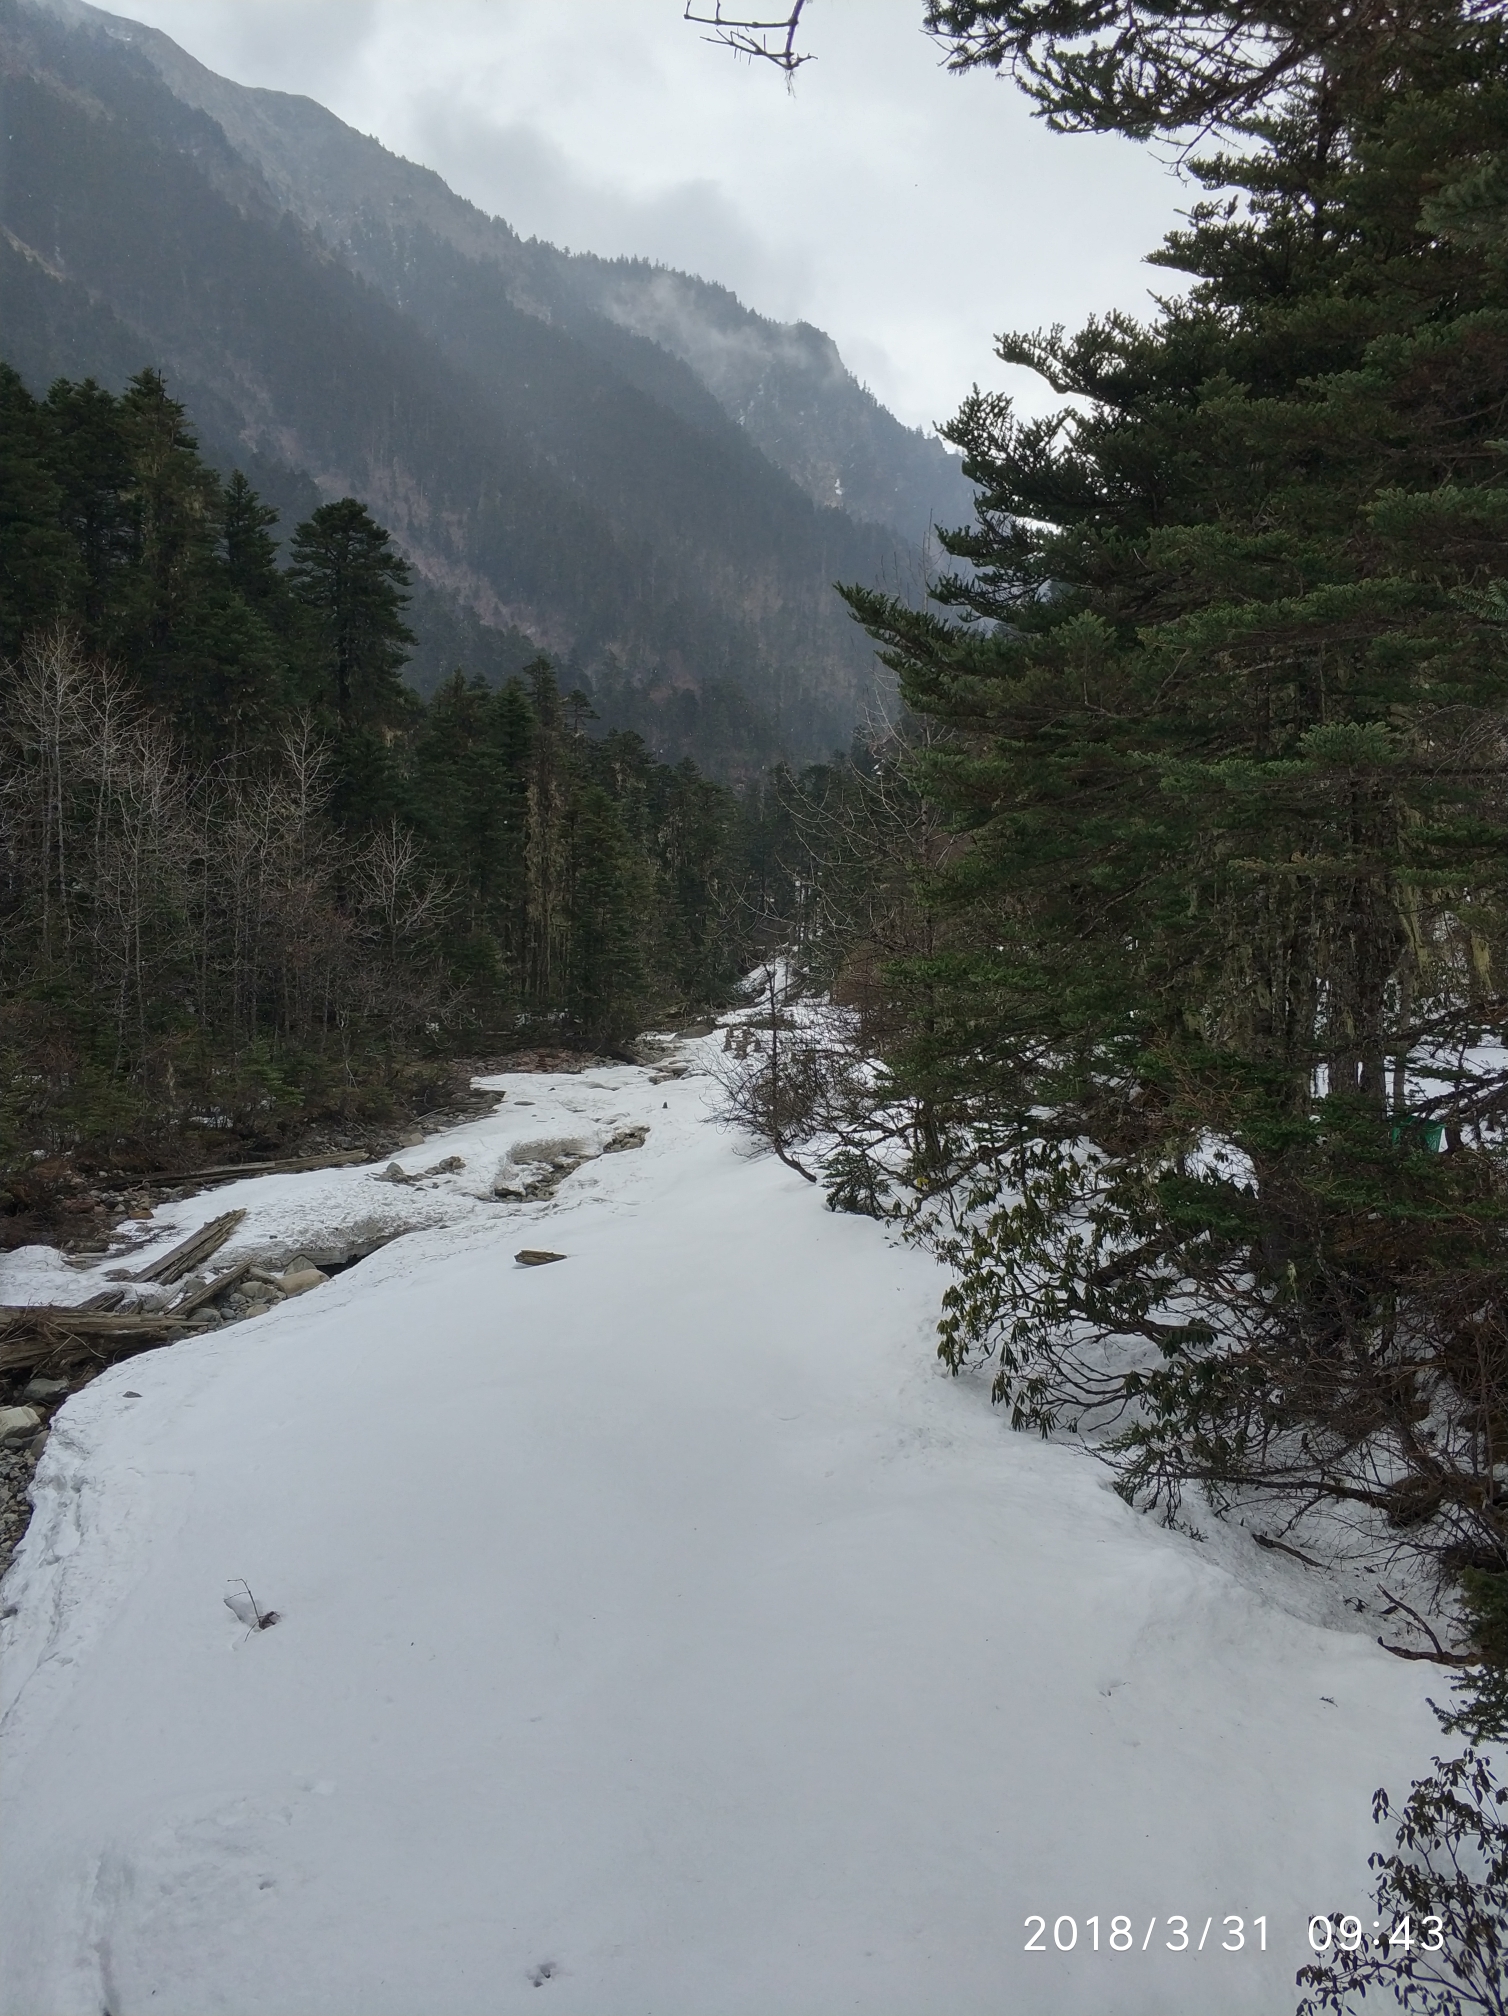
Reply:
x=660, y=1631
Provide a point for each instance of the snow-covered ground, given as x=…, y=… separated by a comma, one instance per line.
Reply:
x=660, y=1631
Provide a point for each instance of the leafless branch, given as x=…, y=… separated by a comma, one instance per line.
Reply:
x=751, y=37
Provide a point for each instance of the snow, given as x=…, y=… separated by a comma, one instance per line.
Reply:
x=659, y=1631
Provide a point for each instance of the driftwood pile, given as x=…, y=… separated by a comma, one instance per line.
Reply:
x=38, y=1335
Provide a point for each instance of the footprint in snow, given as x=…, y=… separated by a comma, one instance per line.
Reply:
x=545, y=1971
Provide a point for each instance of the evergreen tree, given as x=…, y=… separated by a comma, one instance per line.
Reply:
x=1222, y=751
x=90, y=461
x=247, y=543
x=175, y=507
x=609, y=897
x=470, y=789
x=354, y=585
x=218, y=883
x=38, y=562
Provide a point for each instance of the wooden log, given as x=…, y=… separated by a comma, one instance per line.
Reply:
x=196, y=1299
x=227, y=1172
x=31, y=1336
x=199, y=1245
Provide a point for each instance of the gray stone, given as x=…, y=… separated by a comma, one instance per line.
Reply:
x=300, y=1280
x=19, y=1424
x=563, y=1148
x=625, y=1138
x=45, y=1389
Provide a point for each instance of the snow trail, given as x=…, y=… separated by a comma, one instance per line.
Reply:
x=660, y=1631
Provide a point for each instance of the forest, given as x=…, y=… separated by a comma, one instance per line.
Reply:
x=248, y=878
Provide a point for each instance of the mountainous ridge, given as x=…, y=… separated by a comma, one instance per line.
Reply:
x=774, y=378
x=517, y=415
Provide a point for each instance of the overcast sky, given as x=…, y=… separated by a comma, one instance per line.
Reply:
x=909, y=213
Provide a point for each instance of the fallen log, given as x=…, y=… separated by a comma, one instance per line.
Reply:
x=293, y=1165
x=31, y=1335
x=196, y=1298
x=199, y=1245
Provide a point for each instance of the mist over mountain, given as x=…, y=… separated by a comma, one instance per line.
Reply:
x=607, y=459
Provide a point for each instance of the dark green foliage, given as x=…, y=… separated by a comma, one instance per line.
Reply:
x=1148, y=67
x=1223, y=756
x=1442, y=1893
x=1446, y=1877
x=37, y=558
x=1212, y=1038
x=354, y=586
x=240, y=856
x=249, y=549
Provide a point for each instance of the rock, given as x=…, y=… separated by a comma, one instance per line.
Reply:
x=45, y=1389
x=533, y=1257
x=19, y=1424
x=394, y=1173
x=626, y=1137
x=446, y=1168
x=299, y=1280
x=565, y=1148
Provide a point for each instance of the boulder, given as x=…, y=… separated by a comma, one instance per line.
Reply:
x=572, y=1148
x=298, y=1280
x=625, y=1138
x=19, y=1424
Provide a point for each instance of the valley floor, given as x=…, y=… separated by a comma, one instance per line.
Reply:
x=661, y=1633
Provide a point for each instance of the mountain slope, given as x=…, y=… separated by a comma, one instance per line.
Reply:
x=785, y=385
x=323, y=305
x=788, y=387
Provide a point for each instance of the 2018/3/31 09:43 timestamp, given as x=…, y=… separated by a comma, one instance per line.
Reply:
x=1231, y=1934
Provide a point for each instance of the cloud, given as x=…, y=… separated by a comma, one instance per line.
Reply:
x=910, y=213
x=517, y=172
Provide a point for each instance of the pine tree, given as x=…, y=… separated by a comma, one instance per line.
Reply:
x=249, y=549
x=38, y=563
x=354, y=585
x=90, y=460
x=1224, y=758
